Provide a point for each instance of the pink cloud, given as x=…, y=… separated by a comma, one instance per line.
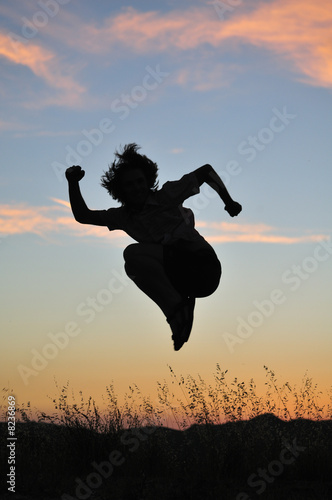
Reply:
x=46, y=221
x=298, y=31
x=45, y=65
x=224, y=232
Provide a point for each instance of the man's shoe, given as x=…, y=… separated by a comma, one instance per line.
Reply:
x=181, y=322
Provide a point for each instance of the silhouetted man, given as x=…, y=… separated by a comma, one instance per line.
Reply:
x=171, y=262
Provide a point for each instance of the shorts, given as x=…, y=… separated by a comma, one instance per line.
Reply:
x=193, y=273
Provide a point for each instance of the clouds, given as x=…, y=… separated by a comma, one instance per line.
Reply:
x=46, y=65
x=150, y=32
x=46, y=221
x=297, y=31
x=226, y=232
x=296, y=34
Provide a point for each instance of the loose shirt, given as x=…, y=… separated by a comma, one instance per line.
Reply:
x=162, y=219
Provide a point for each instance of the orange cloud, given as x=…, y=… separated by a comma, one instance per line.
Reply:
x=46, y=221
x=149, y=31
x=45, y=65
x=297, y=30
x=204, y=76
x=225, y=232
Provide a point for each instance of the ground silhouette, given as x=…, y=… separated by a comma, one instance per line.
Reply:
x=265, y=458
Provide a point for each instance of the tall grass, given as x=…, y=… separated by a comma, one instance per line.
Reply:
x=236, y=400
x=60, y=450
x=184, y=401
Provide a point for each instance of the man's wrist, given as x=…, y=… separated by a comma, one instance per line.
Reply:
x=72, y=182
x=227, y=199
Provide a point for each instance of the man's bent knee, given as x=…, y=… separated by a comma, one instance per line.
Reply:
x=130, y=252
x=133, y=252
x=130, y=271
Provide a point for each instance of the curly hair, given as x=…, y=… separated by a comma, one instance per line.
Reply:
x=128, y=159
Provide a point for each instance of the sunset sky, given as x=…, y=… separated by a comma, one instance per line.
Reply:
x=242, y=85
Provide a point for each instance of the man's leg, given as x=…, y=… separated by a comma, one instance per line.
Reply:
x=144, y=264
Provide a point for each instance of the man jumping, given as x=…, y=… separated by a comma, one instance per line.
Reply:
x=171, y=262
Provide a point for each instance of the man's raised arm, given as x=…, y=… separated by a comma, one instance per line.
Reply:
x=79, y=208
x=207, y=174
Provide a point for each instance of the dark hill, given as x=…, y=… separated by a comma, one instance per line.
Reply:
x=264, y=458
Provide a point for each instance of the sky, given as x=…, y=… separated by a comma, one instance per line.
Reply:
x=242, y=85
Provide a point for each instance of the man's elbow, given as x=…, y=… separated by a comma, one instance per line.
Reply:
x=82, y=218
x=206, y=169
x=203, y=173
x=90, y=217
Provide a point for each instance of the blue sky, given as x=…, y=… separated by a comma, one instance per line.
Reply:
x=245, y=87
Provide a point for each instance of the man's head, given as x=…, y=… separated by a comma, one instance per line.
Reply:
x=130, y=177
